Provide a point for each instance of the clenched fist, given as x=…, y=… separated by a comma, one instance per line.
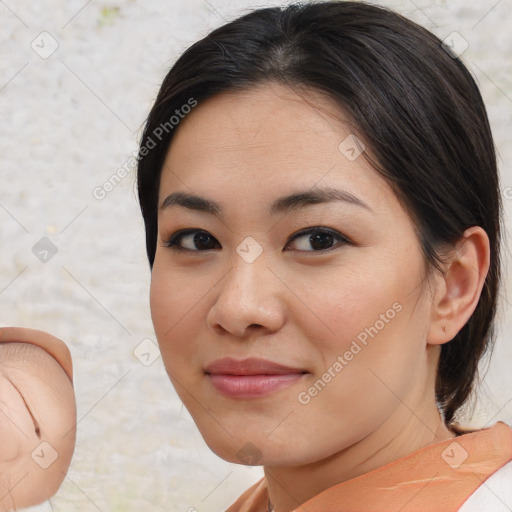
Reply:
x=37, y=416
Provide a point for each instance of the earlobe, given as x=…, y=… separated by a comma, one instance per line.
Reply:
x=459, y=288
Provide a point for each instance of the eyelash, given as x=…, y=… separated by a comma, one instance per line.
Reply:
x=175, y=238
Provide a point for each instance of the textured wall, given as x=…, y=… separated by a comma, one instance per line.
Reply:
x=72, y=118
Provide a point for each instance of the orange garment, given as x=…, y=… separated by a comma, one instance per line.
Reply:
x=54, y=346
x=437, y=478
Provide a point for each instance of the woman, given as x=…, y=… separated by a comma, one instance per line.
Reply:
x=340, y=366
x=38, y=416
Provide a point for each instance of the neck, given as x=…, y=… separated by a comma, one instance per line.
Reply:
x=403, y=433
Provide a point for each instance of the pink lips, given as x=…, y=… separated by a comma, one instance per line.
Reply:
x=250, y=378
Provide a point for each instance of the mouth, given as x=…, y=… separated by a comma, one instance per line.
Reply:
x=251, y=378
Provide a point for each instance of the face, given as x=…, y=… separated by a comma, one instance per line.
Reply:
x=331, y=291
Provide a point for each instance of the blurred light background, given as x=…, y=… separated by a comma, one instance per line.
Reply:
x=77, y=79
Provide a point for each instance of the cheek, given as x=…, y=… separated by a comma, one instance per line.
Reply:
x=170, y=300
x=177, y=311
x=341, y=305
x=383, y=353
x=373, y=319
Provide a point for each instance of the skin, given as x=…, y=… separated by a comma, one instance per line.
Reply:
x=299, y=306
x=37, y=405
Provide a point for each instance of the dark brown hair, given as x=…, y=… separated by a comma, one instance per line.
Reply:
x=413, y=102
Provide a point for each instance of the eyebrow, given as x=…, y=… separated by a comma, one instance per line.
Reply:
x=284, y=204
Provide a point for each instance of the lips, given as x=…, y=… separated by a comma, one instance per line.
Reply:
x=251, y=366
x=251, y=378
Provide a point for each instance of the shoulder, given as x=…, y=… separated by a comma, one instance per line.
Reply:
x=494, y=495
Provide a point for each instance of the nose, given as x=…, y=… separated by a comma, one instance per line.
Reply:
x=250, y=297
x=54, y=346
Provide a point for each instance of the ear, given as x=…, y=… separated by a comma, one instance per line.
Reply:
x=458, y=289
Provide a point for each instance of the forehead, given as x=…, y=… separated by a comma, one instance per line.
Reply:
x=262, y=116
x=269, y=134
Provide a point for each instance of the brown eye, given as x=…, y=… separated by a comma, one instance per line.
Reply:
x=195, y=241
x=320, y=239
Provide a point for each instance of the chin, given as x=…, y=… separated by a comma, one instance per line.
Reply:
x=253, y=450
